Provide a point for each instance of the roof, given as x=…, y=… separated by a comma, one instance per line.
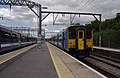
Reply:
x=7, y=28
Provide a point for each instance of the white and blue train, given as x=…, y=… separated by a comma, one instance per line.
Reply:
x=11, y=39
x=76, y=40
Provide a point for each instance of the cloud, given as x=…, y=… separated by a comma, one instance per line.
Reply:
x=24, y=16
x=97, y=6
x=34, y=20
x=5, y=13
x=22, y=13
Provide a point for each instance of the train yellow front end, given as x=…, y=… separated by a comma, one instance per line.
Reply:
x=80, y=41
x=76, y=40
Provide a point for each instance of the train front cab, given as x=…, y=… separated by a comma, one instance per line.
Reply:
x=77, y=41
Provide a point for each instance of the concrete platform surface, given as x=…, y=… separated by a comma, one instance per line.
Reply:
x=69, y=67
x=37, y=63
x=48, y=62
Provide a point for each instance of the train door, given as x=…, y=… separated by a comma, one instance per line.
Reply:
x=81, y=40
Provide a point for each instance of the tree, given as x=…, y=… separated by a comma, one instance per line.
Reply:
x=110, y=31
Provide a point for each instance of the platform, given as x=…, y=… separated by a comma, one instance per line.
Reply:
x=36, y=63
x=48, y=62
x=69, y=67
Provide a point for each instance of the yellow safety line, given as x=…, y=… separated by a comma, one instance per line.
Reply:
x=62, y=70
x=54, y=62
x=7, y=57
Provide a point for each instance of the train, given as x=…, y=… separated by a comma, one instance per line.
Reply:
x=77, y=40
x=11, y=39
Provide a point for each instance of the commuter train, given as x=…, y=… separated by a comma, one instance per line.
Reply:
x=77, y=40
x=11, y=39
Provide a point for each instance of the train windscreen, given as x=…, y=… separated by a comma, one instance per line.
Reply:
x=88, y=34
x=72, y=33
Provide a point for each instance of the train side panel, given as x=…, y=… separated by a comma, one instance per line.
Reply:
x=11, y=40
x=65, y=42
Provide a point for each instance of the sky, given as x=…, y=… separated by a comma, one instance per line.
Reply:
x=22, y=16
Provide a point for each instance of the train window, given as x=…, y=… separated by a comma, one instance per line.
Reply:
x=23, y=38
x=14, y=35
x=1, y=37
x=88, y=34
x=7, y=34
x=14, y=38
x=7, y=37
x=80, y=34
x=72, y=34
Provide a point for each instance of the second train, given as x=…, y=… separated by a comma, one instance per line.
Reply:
x=77, y=40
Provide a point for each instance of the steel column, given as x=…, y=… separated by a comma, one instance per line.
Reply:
x=100, y=37
x=39, y=20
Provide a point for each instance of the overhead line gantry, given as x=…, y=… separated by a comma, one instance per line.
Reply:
x=70, y=13
x=32, y=4
x=29, y=4
x=75, y=13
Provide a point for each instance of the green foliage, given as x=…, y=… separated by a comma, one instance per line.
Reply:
x=110, y=31
x=93, y=25
x=109, y=37
x=111, y=24
x=95, y=38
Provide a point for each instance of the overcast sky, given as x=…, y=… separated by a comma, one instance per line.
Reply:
x=22, y=16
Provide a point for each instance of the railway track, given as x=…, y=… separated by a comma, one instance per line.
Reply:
x=106, y=57
x=107, y=66
x=110, y=53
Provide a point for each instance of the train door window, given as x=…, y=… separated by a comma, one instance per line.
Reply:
x=81, y=40
x=80, y=34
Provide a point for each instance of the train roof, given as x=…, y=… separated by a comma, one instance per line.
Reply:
x=7, y=28
x=72, y=26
